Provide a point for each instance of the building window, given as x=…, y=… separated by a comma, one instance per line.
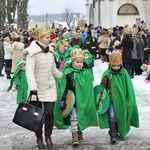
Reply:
x=128, y=9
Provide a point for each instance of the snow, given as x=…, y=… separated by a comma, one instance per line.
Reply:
x=13, y=136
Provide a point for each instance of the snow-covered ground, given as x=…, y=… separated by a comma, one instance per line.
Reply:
x=17, y=138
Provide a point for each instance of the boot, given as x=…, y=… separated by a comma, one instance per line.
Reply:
x=39, y=140
x=75, y=140
x=103, y=58
x=80, y=136
x=48, y=132
x=8, y=72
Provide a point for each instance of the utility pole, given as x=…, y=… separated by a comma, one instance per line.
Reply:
x=46, y=18
x=99, y=11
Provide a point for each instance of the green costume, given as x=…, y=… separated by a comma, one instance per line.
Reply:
x=89, y=61
x=84, y=97
x=63, y=57
x=123, y=98
x=19, y=79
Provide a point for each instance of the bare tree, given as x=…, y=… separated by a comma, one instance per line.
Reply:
x=2, y=14
x=11, y=10
x=22, y=14
x=68, y=16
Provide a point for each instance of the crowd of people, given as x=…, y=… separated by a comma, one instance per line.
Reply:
x=52, y=62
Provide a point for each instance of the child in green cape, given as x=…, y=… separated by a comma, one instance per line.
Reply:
x=19, y=82
x=80, y=81
x=122, y=112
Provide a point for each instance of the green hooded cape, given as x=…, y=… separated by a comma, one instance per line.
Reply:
x=85, y=102
x=124, y=102
x=19, y=78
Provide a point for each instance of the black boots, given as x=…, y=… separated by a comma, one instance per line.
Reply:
x=48, y=132
x=114, y=138
x=8, y=72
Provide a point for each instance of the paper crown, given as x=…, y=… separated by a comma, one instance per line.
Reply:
x=76, y=53
x=127, y=31
x=40, y=31
x=86, y=51
x=65, y=43
x=115, y=58
x=53, y=44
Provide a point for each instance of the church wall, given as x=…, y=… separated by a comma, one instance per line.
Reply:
x=109, y=17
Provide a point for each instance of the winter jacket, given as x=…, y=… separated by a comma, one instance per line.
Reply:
x=140, y=47
x=103, y=40
x=40, y=72
x=8, y=50
x=17, y=54
x=134, y=50
x=127, y=46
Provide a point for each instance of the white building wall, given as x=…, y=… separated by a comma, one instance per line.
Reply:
x=109, y=17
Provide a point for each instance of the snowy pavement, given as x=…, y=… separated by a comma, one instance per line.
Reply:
x=13, y=137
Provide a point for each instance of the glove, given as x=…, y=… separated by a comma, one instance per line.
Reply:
x=63, y=104
x=34, y=92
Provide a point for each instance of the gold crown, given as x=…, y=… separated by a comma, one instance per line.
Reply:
x=115, y=59
x=76, y=53
x=40, y=31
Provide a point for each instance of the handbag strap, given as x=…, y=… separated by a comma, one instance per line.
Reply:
x=30, y=97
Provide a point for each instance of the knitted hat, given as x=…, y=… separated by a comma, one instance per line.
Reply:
x=115, y=58
x=40, y=31
x=76, y=53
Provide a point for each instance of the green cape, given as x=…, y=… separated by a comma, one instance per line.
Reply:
x=19, y=78
x=124, y=101
x=85, y=102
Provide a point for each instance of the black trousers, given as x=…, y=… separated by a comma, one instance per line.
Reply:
x=48, y=107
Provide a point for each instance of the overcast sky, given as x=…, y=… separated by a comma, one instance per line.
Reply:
x=39, y=7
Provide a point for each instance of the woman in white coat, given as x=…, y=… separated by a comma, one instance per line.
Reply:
x=8, y=52
x=40, y=73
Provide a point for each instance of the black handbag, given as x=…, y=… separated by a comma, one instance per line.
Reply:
x=29, y=116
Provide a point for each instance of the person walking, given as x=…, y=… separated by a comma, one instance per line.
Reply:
x=40, y=72
x=103, y=42
x=8, y=56
x=19, y=83
x=79, y=80
x=122, y=112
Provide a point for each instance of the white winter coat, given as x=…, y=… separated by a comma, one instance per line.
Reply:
x=8, y=50
x=40, y=72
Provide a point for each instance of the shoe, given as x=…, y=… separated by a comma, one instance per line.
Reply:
x=118, y=137
x=80, y=136
x=113, y=139
x=8, y=77
x=131, y=76
x=75, y=140
x=1, y=75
